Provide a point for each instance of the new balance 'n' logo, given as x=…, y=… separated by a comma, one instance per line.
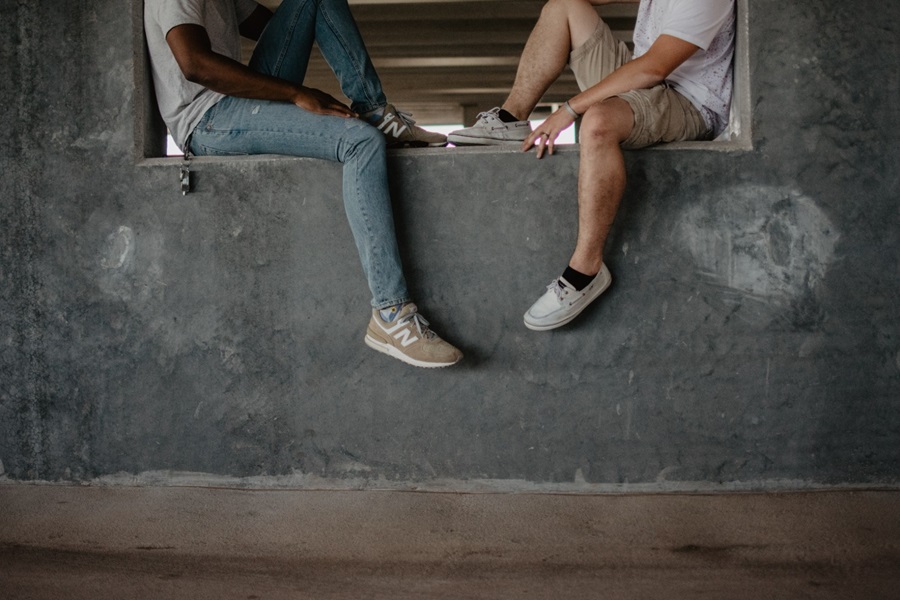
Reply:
x=404, y=336
x=391, y=126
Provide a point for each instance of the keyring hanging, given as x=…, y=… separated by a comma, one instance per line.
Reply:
x=185, y=177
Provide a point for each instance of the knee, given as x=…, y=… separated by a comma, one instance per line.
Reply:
x=563, y=6
x=602, y=125
x=361, y=139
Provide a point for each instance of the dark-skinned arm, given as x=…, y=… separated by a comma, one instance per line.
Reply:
x=193, y=52
x=665, y=55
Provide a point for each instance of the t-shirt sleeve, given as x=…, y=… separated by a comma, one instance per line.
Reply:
x=697, y=21
x=244, y=9
x=171, y=13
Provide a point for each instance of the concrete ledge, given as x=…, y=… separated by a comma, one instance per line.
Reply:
x=736, y=145
x=206, y=543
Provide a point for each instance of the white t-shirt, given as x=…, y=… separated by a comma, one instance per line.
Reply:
x=182, y=103
x=706, y=77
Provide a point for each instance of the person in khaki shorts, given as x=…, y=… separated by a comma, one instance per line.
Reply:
x=676, y=86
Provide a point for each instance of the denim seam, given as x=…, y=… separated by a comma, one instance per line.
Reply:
x=375, y=272
x=295, y=18
x=359, y=72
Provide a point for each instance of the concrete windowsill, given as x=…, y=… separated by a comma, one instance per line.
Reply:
x=714, y=146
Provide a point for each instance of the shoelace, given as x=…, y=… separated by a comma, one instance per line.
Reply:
x=558, y=289
x=489, y=115
x=406, y=117
x=421, y=324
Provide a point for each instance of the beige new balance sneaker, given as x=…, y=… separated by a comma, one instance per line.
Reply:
x=401, y=131
x=404, y=334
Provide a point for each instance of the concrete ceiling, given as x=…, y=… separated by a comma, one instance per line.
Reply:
x=446, y=60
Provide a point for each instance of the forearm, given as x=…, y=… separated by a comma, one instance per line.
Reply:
x=633, y=75
x=646, y=71
x=193, y=52
x=229, y=77
x=199, y=64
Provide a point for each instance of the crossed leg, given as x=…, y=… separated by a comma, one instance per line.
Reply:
x=562, y=26
x=284, y=48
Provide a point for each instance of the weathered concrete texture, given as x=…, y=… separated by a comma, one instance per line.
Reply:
x=751, y=333
x=194, y=543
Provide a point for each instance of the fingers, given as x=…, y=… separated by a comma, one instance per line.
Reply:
x=339, y=107
x=547, y=145
x=541, y=140
x=544, y=137
x=331, y=106
x=342, y=111
x=317, y=101
x=529, y=141
x=330, y=111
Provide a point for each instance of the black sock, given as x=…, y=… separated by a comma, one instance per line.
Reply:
x=578, y=280
x=506, y=116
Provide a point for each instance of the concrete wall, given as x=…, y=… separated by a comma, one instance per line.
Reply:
x=750, y=338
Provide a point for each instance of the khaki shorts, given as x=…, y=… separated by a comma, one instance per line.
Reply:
x=661, y=114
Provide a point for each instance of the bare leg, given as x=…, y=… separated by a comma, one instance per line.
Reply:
x=601, y=180
x=562, y=26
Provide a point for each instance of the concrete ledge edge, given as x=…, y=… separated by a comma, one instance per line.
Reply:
x=730, y=146
x=305, y=482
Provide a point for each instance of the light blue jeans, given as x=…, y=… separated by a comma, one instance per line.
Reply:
x=236, y=126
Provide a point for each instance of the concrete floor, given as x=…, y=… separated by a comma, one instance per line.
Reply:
x=120, y=542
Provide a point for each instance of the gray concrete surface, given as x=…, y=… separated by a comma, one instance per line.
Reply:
x=95, y=542
x=750, y=336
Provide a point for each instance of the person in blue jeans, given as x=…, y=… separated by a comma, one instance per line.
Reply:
x=215, y=105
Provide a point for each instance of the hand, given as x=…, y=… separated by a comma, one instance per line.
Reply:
x=317, y=101
x=545, y=135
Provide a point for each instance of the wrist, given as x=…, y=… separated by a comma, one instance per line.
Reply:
x=575, y=114
x=298, y=93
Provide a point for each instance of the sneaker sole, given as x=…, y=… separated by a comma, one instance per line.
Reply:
x=572, y=316
x=460, y=140
x=396, y=145
x=393, y=352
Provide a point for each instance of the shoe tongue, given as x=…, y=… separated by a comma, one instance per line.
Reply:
x=388, y=314
x=394, y=313
x=563, y=284
x=375, y=115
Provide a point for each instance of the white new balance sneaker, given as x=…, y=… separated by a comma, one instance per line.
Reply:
x=404, y=334
x=489, y=130
x=561, y=302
